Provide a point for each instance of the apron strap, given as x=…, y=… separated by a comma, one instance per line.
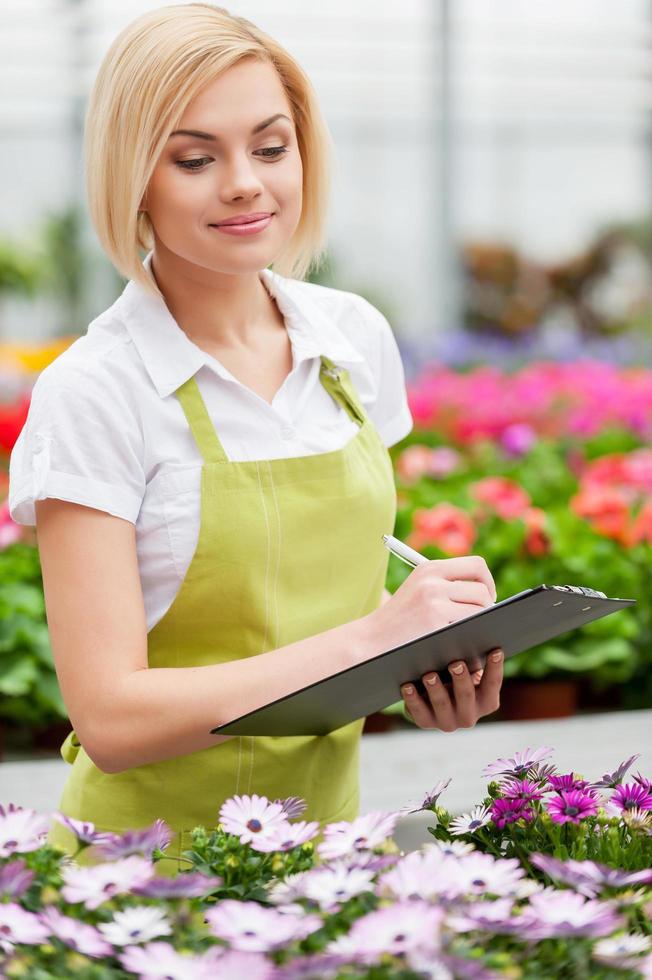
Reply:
x=200, y=423
x=338, y=384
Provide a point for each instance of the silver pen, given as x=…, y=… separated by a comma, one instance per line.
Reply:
x=403, y=551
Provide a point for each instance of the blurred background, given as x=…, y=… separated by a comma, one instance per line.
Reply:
x=493, y=197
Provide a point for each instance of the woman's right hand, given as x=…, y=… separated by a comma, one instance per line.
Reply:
x=435, y=594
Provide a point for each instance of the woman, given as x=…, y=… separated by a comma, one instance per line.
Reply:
x=207, y=467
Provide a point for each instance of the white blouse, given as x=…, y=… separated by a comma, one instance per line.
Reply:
x=104, y=427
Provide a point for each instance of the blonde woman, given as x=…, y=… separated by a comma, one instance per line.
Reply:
x=207, y=467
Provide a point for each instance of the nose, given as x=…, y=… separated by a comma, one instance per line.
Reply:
x=239, y=178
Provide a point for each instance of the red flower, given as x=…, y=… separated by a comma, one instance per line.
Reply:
x=505, y=497
x=12, y=419
x=606, y=509
x=537, y=542
x=447, y=527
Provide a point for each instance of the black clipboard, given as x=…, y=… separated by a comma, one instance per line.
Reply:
x=518, y=623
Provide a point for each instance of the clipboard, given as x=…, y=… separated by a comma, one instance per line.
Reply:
x=518, y=623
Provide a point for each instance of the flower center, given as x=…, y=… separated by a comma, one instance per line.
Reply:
x=474, y=824
x=254, y=825
x=572, y=811
x=400, y=938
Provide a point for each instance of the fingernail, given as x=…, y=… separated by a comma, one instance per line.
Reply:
x=408, y=689
x=497, y=656
x=457, y=668
x=432, y=679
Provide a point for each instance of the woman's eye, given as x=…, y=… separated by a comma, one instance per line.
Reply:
x=196, y=164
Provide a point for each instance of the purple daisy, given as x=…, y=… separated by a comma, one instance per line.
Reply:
x=396, y=930
x=553, y=912
x=80, y=936
x=83, y=830
x=430, y=800
x=250, y=927
x=613, y=779
x=293, y=807
x=519, y=766
x=142, y=841
x=190, y=884
x=509, y=811
x=630, y=796
x=588, y=877
x=286, y=836
x=643, y=781
x=15, y=878
x=571, y=806
x=17, y=925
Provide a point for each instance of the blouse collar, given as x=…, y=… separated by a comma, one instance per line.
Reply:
x=171, y=358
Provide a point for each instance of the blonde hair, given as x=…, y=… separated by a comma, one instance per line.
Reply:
x=152, y=70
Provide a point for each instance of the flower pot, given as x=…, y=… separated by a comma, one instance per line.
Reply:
x=522, y=699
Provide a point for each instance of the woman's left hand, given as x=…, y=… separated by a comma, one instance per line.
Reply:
x=471, y=695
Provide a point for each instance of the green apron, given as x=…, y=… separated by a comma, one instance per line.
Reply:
x=287, y=548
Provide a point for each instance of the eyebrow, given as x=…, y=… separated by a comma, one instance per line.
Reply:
x=209, y=136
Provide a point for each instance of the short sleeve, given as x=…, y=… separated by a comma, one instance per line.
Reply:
x=81, y=443
x=390, y=411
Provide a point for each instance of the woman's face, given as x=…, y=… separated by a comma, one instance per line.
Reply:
x=200, y=181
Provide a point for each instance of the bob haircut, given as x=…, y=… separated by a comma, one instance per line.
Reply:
x=152, y=70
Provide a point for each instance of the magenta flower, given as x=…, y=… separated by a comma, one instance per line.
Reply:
x=15, y=878
x=519, y=766
x=518, y=438
x=588, y=877
x=142, y=841
x=80, y=936
x=362, y=834
x=190, y=884
x=612, y=779
x=251, y=927
x=571, y=806
x=521, y=789
x=630, y=796
x=509, y=811
x=568, y=781
x=643, y=781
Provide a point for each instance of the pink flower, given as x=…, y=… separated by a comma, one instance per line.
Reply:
x=83, y=830
x=397, y=930
x=509, y=811
x=520, y=789
x=250, y=927
x=17, y=925
x=99, y=883
x=571, y=806
x=251, y=817
x=445, y=526
x=567, y=781
x=160, y=961
x=286, y=836
x=519, y=766
x=507, y=498
x=362, y=834
x=142, y=841
x=78, y=935
x=22, y=830
x=630, y=796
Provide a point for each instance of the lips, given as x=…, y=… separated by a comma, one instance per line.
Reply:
x=244, y=219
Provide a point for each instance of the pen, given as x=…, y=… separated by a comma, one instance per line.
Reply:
x=403, y=551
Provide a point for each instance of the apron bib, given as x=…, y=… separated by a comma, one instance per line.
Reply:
x=287, y=548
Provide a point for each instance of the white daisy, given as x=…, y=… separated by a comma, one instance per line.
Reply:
x=137, y=924
x=468, y=823
x=251, y=817
x=22, y=830
x=332, y=885
x=99, y=883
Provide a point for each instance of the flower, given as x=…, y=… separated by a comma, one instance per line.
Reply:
x=15, y=878
x=451, y=848
x=509, y=811
x=83, y=830
x=520, y=789
x=99, y=883
x=80, y=936
x=333, y=884
x=21, y=830
x=430, y=800
x=616, y=949
x=518, y=438
x=423, y=875
x=505, y=497
x=643, y=781
x=520, y=766
x=445, y=526
x=589, y=877
x=468, y=823
x=17, y=925
x=363, y=833
x=537, y=540
x=234, y=965
x=250, y=817
x=553, y=913
x=285, y=836
x=143, y=841
x=190, y=884
x=403, y=927
x=494, y=916
x=630, y=796
x=480, y=874
x=136, y=924
x=567, y=781
x=416, y=461
x=160, y=961
x=293, y=807
x=613, y=779
x=320, y=966
x=251, y=927
x=571, y=806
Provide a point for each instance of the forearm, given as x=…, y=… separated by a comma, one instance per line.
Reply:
x=163, y=712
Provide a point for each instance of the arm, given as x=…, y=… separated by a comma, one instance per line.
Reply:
x=119, y=707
